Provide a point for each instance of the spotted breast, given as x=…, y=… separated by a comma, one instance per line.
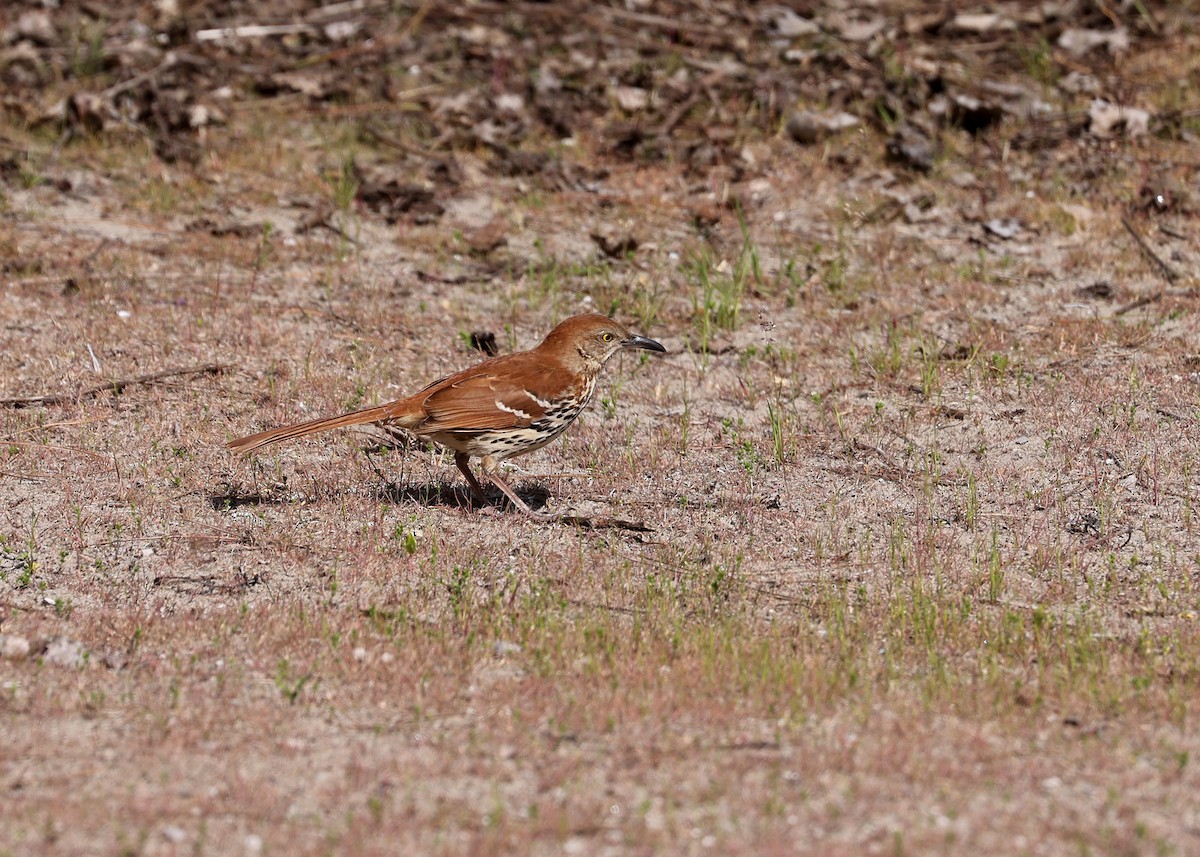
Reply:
x=536, y=426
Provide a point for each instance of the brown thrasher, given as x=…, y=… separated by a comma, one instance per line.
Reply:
x=502, y=407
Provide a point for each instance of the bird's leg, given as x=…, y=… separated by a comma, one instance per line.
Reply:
x=492, y=471
x=495, y=479
x=378, y=472
x=462, y=461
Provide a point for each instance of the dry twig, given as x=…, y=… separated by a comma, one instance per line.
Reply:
x=1169, y=273
x=115, y=386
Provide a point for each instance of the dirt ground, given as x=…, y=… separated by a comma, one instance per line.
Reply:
x=914, y=569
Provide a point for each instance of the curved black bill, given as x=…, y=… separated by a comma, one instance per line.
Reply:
x=642, y=342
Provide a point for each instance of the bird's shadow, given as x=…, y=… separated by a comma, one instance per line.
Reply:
x=430, y=494
x=455, y=496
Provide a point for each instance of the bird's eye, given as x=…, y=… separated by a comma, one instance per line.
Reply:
x=606, y=337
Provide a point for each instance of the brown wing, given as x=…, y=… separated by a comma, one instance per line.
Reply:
x=482, y=401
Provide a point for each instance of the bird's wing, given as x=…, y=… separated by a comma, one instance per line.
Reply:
x=481, y=401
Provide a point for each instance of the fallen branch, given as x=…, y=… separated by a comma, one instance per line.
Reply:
x=1166, y=270
x=321, y=218
x=22, y=476
x=602, y=522
x=134, y=82
x=28, y=444
x=1168, y=273
x=252, y=31
x=676, y=116
x=114, y=386
x=1145, y=300
x=379, y=136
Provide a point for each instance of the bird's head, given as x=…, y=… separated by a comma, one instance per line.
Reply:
x=594, y=339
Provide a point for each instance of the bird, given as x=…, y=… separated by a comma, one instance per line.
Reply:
x=497, y=409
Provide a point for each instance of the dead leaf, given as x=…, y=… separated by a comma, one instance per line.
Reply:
x=517, y=162
x=1100, y=290
x=1078, y=42
x=614, y=241
x=491, y=236
x=781, y=21
x=89, y=111
x=306, y=84
x=510, y=102
x=393, y=197
x=631, y=99
x=341, y=31
x=855, y=29
x=1005, y=228
x=910, y=145
x=980, y=23
x=807, y=127
x=37, y=27
x=1106, y=119
x=1079, y=83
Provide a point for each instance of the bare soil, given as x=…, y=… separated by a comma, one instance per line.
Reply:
x=919, y=566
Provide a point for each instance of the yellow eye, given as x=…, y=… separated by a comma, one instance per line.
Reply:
x=607, y=337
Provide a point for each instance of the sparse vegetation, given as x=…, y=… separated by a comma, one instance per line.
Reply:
x=920, y=568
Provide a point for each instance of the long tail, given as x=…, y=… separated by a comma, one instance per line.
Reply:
x=354, y=418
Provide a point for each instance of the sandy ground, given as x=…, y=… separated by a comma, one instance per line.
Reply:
x=918, y=566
